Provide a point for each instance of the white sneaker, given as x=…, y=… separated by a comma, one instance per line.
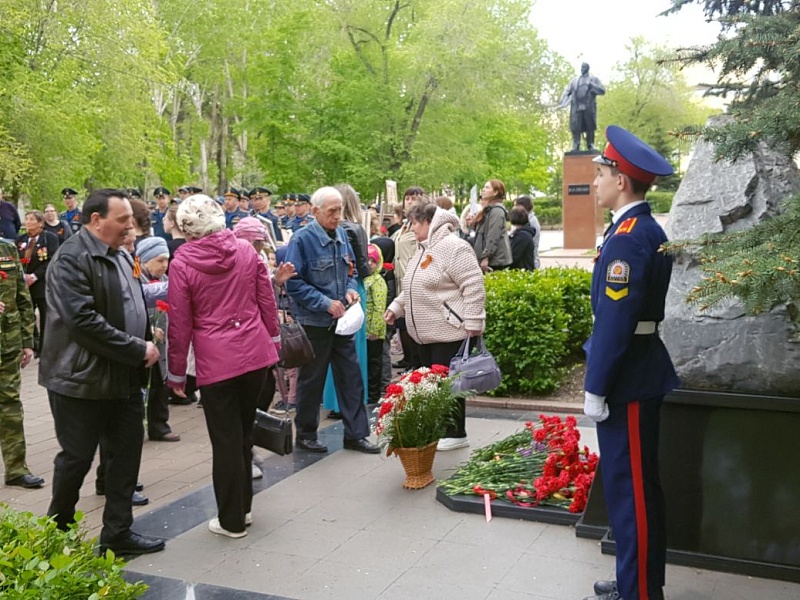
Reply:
x=452, y=444
x=215, y=527
x=248, y=519
x=255, y=472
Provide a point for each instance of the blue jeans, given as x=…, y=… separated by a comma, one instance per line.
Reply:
x=338, y=351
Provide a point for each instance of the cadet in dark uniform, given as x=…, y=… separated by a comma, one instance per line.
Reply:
x=73, y=213
x=302, y=217
x=162, y=196
x=233, y=214
x=16, y=347
x=288, y=204
x=244, y=201
x=260, y=198
x=628, y=369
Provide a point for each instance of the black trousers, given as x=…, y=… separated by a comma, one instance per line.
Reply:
x=41, y=305
x=230, y=410
x=80, y=426
x=338, y=351
x=374, y=370
x=157, y=405
x=267, y=394
x=410, y=346
x=441, y=354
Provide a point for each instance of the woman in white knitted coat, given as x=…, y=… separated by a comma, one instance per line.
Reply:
x=443, y=298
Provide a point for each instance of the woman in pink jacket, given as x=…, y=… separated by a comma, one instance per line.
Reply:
x=221, y=302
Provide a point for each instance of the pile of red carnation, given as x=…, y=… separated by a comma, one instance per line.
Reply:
x=543, y=464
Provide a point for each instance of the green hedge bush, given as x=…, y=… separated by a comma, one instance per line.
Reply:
x=660, y=201
x=536, y=323
x=550, y=216
x=38, y=561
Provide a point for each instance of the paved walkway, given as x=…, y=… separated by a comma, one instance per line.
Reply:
x=340, y=526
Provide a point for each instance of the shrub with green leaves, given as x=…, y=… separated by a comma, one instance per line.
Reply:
x=38, y=561
x=660, y=200
x=536, y=323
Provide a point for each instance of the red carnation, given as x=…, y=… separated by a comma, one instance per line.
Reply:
x=385, y=408
x=25, y=261
x=3, y=275
x=415, y=377
x=162, y=306
x=394, y=390
x=388, y=267
x=440, y=370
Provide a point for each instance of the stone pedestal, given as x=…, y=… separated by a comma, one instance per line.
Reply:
x=731, y=498
x=583, y=219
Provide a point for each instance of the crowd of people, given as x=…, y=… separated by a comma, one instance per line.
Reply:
x=137, y=305
x=142, y=305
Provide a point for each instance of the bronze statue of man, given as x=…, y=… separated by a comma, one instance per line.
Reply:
x=580, y=95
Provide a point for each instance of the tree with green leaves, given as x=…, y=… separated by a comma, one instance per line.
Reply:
x=74, y=105
x=757, y=58
x=651, y=97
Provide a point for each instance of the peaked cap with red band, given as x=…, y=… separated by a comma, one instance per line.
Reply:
x=632, y=156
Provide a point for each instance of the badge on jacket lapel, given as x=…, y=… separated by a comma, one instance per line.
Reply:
x=618, y=272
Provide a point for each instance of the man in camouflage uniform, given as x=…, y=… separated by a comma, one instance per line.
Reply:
x=16, y=351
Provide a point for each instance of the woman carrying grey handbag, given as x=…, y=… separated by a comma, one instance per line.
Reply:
x=442, y=299
x=474, y=372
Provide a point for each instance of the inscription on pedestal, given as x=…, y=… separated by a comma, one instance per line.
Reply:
x=579, y=189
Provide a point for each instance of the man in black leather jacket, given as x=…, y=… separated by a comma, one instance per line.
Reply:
x=93, y=367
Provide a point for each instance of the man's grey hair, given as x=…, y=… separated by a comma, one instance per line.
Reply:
x=325, y=193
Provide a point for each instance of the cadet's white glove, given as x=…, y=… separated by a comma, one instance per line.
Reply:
x=595, y=407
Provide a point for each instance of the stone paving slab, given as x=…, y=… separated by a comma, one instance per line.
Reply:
x=343, y=527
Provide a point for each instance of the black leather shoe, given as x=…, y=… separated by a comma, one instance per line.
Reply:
x=167, y=437
x=605, y=587
x=401, y=364
x=178, y=401
x=27, y=481
x=139, y=500
x=311, y=445
x=335, y=414
x=133, y=543
x=361, y=445
x=139, y=486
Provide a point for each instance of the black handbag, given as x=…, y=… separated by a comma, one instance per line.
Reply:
x=477, y=373
x=296, y=350
x=272, y=433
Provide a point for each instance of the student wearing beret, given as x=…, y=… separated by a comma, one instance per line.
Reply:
x=628, y=369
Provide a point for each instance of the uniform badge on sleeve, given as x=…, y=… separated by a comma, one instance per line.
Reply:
x=617, y=294
x=618, y=272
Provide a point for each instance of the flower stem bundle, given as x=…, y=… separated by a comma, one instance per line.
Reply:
x=541, y=465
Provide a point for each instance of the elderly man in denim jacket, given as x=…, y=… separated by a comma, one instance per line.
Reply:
x=323, y=288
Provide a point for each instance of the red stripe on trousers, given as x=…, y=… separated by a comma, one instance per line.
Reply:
x=635, y=446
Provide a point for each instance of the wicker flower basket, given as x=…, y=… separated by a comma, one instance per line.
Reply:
x=418, y=464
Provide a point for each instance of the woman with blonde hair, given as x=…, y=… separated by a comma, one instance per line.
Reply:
x=221, y=302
